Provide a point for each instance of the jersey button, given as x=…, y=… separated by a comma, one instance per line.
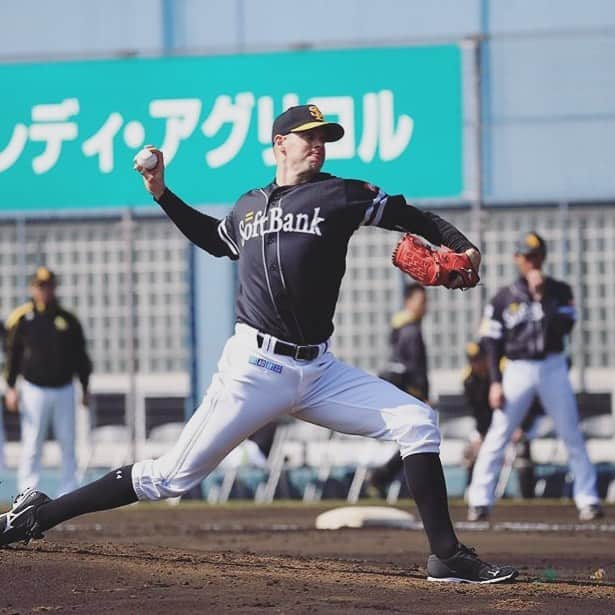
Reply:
x=273, y=267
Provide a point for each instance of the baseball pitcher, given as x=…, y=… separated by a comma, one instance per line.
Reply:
x=290, y=239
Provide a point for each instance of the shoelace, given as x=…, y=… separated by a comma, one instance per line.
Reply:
x=471, y=551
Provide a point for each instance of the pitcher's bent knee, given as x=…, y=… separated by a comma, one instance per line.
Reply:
x=419, y=432
x=151, y=482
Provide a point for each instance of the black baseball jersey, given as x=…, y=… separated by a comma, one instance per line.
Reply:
x=45, y=344
x=516, y=326
x=291, y=242
x=409, y=355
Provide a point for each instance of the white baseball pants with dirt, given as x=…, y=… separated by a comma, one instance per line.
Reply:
x=38, y=406
x=522, y=380
x=254, y=386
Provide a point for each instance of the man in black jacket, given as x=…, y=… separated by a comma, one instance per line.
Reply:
x=407, y=368
x=290, y=238
x=46, y=346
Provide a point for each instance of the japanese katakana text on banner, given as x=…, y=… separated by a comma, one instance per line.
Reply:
x=69, y=130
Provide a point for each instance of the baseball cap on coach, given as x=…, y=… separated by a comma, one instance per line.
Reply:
x=531, y=243
x=475, y=350
x=43, y=276
x=305, y=117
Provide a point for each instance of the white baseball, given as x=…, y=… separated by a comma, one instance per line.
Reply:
x=146, y=159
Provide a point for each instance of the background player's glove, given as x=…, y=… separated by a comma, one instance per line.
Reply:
x=434, y=266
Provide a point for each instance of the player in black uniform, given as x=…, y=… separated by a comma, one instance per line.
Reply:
x=291, y=239
x=527, y=322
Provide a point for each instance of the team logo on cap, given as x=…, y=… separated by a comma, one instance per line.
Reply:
x=532, y=241
x=472, y=349
x=43, y=274
x=316, y=113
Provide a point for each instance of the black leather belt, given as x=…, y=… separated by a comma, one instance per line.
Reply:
x=300, y=353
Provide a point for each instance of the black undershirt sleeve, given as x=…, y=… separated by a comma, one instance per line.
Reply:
x=13, y=354
x=199, y=228
x=449, y=236
x=494, y=355
x=398, y=215
x=557, y=323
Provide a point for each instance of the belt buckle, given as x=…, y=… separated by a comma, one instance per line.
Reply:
x=309, y=353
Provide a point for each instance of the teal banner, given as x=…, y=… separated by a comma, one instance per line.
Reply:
x=69, y=130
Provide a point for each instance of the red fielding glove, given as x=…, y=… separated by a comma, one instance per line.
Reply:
x=434, y=266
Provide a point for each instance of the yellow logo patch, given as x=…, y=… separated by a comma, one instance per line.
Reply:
x=316, y=113
x=43, y=274
x=472, y=349
x=532, y=241
x=513, y=308
x=60, y=323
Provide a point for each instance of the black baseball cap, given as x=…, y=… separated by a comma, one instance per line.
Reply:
x=43, y=276
x=305, y=117
x=531, y=244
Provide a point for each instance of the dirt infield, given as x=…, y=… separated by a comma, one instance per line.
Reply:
x=249, y=559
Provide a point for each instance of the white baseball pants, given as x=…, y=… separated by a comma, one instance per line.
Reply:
x=254, y=386
x=39, y=405
x=522, y=380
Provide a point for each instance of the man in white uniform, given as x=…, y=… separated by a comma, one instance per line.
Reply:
x=290, y=238
x=526, y=322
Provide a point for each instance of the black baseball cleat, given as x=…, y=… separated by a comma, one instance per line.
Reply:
x=20, y=523
x=466, y=567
